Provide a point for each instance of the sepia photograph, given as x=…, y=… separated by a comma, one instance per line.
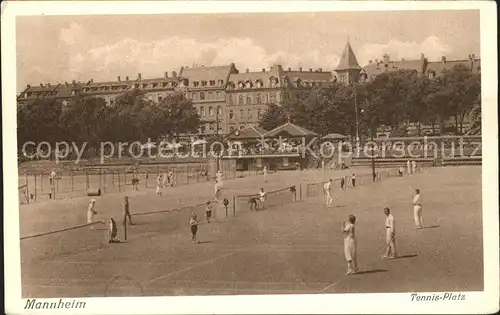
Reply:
x=251, y=156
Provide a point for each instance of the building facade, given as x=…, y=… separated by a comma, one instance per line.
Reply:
x=227, y=99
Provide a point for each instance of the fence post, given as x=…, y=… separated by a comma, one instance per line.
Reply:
x=104, y=182
x=41, y=183
x=187, y=172
x=86, y=179
x=234, y=205
x=300, y=194
x=35, y=186
x=118, y=180
x=125, y=176
x=125, y=226
x=27, y=194
x=72, y=180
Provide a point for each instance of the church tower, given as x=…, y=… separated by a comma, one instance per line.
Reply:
x=348, y=68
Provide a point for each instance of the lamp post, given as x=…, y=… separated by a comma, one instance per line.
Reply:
x=357, y=120
x=371, y=120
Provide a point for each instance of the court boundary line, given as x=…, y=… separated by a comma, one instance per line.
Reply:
x=331, y=285
x=148, y=282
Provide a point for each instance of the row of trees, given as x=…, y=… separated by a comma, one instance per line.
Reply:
x=91, y=120
x=392, y=99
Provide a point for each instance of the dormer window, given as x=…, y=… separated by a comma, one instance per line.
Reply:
x=221, y=82
x=203, y=83
x=196, y=83
x=165, y=84
x=258, y=83
x=212, y=82
x=240, y=85
x=230, y=85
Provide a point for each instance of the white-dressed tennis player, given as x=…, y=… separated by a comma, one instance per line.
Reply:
x=417, y=209
x=327, y=188
x=390, y=235
x=262, y=198
x=348, y=230
x=91, y=212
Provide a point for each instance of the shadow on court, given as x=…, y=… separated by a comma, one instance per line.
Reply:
x=371, y=271
x=405, y=256
x=430, y=227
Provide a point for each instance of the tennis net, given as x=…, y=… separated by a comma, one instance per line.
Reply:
x=274, y=198
x=63, y=242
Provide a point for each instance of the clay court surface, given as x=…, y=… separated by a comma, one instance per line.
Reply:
x=295, y=248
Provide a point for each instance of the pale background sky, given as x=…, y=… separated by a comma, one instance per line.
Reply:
x=53, y=49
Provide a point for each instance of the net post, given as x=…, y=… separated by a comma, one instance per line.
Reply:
x=86, y=179
x=125, y=226
x=234, y=205
x=27, y=194
x=104, y=181
x=35, y=185
x=119, y=189
x=300, y=194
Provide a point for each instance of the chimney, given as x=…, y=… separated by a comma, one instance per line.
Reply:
x=174, y=74
x=422, y=56
x=66, y=83
x=118, y=79
x=166, y=75
x=310, y=70
x=246, y=70
x=139, y=76
x=263, y=70
x=29, y=85
x=41, y=84
x=73, y=83
x=320, y=69
x=289, y=69
x=300, y=69
x=126, y=78
x=473, y=57
x=48, y=85
x=443, y=59
x=386, y=58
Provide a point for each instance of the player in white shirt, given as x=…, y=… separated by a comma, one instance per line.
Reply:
x=265, y=174
x=170, y=178
x=417, y=209
x=262, y=198
x=113, y=231
x=159, y=185
x=328, y=192
x=91, y=212
x=390, y=236
x=413, y=166
x=348, y=230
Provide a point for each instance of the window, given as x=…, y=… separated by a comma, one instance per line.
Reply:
x=209, y=95
x=210, y=111
x=219, y=110
x=231, y=128
x=242, y=127
x=159, y=98
x=258, y=99
x=242, y=114
x=249, y=99
x=196, y=83
x=272, y=98
x=202, y=129
x=194, y=96
x=249, y=114
x=212, y=82
x=240, y=99
x=248, y=84
x=203, y=83
x=217, y=95
x=212, y=126
x=259, y=113
x=111, y=101
x=202, y=96
x=202, y=111
x=165, y=84
x=231, y=114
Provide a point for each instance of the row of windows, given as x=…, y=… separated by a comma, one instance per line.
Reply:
x=259, y=99
x=207, y=83
x=207, y=96
x=249, y=114
x=211, y=111
x=209, y=126
x=240, y=127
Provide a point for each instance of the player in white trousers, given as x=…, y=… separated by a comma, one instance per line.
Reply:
x=417, y=209
x=327, y=188
x=348, y=230
x=390, y=236
x=91, y=212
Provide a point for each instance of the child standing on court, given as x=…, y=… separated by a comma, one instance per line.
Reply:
x=193, y=223
x=208, y=211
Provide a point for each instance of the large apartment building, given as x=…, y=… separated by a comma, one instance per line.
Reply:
x=227, y=99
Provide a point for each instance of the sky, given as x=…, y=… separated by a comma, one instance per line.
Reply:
x=52, y=49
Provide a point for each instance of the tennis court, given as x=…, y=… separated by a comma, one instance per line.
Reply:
x=294, y=248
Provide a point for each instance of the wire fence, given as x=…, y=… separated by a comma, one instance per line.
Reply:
x=95, y=181
x=89, y=236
